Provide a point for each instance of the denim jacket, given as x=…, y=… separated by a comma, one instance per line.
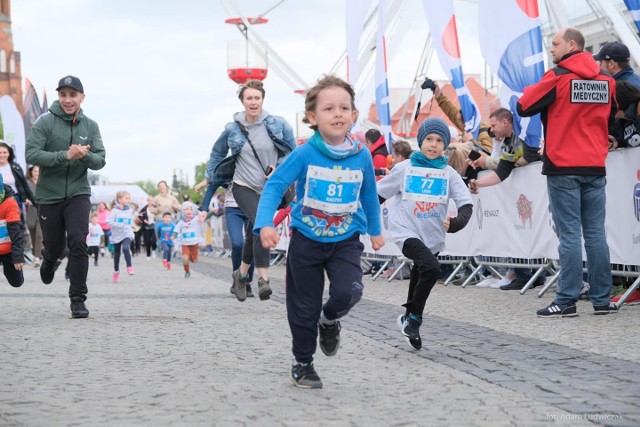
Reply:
x=221, y=167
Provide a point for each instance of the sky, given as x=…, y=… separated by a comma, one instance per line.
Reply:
x=155, y=71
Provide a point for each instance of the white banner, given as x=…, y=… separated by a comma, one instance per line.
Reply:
x=512, y=219
x=13, y=126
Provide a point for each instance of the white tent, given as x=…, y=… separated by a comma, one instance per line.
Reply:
x=107, y=194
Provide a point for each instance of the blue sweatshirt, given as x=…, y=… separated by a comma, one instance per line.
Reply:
x=324, y=217
x=165, y=231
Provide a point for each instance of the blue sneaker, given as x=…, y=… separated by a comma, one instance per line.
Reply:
x=410, y=328
x=303, y=375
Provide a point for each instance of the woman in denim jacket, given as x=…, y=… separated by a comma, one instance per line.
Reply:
x=248, y=167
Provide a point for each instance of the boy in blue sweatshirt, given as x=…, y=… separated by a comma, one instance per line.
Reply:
x=336, y=202
x=165, y=232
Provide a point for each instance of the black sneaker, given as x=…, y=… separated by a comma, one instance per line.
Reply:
x=605, y=309
x=79, y=310
x=557, y=310
x=329, y=338
x=303, y=375
x=95, y=263
x=48, y=270
x=515, y=285
x=410, y=328
x=540, y=281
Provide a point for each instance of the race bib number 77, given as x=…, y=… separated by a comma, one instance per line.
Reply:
x=426, y=185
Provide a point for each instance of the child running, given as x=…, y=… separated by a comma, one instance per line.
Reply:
x=121, y=220
x=421, y=187
x=336, y=202
x=12, y=237
x=165, y=232
x=188, y=230
x=93, y=238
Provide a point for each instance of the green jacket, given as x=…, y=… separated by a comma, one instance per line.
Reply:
x=47, y=146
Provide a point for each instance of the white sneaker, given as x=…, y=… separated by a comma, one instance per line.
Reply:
x=501, y=282
x=486, y=283
x=148, y=258
x=153, y=254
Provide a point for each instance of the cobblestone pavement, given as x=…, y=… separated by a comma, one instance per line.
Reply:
x=159, y=349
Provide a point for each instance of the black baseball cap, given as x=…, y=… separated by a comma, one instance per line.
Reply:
x=613, y=51
x=71, y=81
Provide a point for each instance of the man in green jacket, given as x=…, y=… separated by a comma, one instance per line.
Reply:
x=65, y=143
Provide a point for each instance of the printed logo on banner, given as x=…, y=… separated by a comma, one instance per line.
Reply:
x=385, y=217
x=479, y=214
x=525, y=212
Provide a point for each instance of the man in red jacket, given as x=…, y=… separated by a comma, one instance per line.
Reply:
x=576, y=102
x=378, y=148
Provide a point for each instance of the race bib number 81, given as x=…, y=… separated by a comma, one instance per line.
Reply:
x=332, y=191
x=426, y=185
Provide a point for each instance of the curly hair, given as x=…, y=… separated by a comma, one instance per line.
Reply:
x=325, y=82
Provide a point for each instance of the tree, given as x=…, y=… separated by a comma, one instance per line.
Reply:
x=200, y=169
x=148, y=186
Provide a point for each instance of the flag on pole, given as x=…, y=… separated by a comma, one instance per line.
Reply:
x=634, y=9
x=442, y=24
x=32, y=109
x=382, y=87
x=355, y=25
x=516, y=56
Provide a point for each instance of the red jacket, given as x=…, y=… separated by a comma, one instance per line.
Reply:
x=379, y=153
x=577, y=103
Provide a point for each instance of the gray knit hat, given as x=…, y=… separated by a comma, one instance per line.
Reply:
x=434, y=125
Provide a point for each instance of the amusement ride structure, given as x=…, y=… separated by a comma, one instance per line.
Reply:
x=252, y=57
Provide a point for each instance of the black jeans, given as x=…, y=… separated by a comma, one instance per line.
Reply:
x=424, y=274
x=307, y=262
x=149, y=238
x=95, y=251
x=69, y=218
x=14, y=277
x=247, y=200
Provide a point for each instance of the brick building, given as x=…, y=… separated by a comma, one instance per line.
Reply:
x=10, y=74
